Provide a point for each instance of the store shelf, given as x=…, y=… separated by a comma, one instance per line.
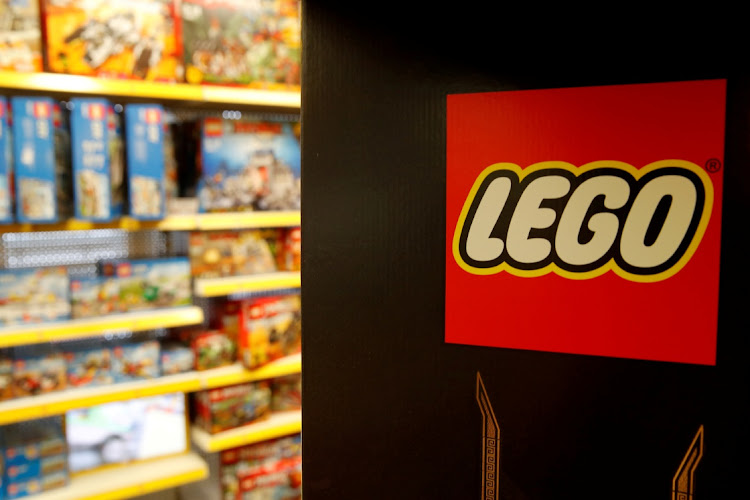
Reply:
x=136, y=321
x=218, y=287
x=129, y=481
x=57, y=403
x=194, y=222
x=83, y=85
x=278, y=425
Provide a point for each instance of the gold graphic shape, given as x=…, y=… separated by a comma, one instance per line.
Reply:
x=683, y=483
x=490, y=443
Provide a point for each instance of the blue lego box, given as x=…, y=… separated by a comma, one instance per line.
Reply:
x=41, y=157
x=249, y=165
x=6, y=166
x=144, y=153
x=136, y=361
x=34, y=295
x=88, y=364
x=89, y=136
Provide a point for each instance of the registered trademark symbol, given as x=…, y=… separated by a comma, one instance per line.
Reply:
x=713, y=165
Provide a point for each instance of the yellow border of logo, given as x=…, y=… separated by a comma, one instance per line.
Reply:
x=610, y=265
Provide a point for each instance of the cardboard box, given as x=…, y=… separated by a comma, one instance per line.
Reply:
x=20, y=36
x=136, y=361
x=94, y=296
x=235, y=42
x=6, y=165
x=249, y=165
x=38, y=371
x=226, y=408
x=145, y=161
x=89, y=365
x=34, y=295
x=129, y=39
x=150, y=283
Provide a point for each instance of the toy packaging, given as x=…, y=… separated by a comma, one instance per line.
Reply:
x=6, y=375
x=136, y=361
x=236, y=42
x=63, y=161
x=39, y=181
x=37, y=370
x=286, y=393
x=130, y=39
x=229, y=407
x=6, y=166
x=144, y=153
x=212, y=349
x=231, y=253
x=90, y=144
x=289, y=249
x=249, y=165
x=268, y=328
x=281, y=480
x=116, y=161
x=89, y=365
x=176, y=358
x=94, y=296
x=150, y=283
x=34, y=295
x=20, y=36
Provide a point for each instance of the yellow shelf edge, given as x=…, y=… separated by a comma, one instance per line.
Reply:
x=57, y=403
x=130, y=480
x=94, y=327
x=278, y=425
x=57, y=83
x=238, y=220
x=218, y=287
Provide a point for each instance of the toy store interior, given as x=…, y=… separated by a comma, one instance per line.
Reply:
x=150, y=316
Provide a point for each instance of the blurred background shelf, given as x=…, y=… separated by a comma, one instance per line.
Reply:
x=218, y=287
x=136, y=321
x=57, y=84
x=278, y=425
x=128, y=481
x=57, y=403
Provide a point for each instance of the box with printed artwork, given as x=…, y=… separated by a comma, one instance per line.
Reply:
x=6, y=166
x=94, y=296
x=136, y=361
x=249, y=165
x=236, y=42
x=20, y=36
x=150, y=283
x=144, y=153
x=128, y=39
x=89, y=364
x=34, y=295
x=38, y=369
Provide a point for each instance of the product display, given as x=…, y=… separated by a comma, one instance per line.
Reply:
x=88, y=364
x=6, y=166
x=212, y=349
x=268, y=328
x=38, y=370
x=132, y=39
x=144, y=156
x=249, y=165
x=126, y=431
x=226, y=408
x=256, y=44
x=176, y=358
x=34, y=455
x=232, y=253
x=289, y=249
x=20, y=36
x=34, y=295
x=149, y=283
x=136, y=361
x=286, y=393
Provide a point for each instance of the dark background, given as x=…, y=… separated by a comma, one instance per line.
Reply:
x=389, y=408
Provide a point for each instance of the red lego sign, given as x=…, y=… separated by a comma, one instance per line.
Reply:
x=586, y=220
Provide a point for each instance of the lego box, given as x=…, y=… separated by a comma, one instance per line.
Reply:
x=20, y=36
x=249, y=165
x=6, y=166
x=89, y=134
x=144, y=153
x=34, y=295
x=236, y=42
x=150, y=283
x=129, y=39
x=94, y=296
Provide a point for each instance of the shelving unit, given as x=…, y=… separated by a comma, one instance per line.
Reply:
x=278, y=425
x=128, y=481
x=57, y=403
x=220, y=287
x=136, y=321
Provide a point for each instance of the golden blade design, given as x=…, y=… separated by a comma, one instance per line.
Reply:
x=490, y=444
x=683, y=483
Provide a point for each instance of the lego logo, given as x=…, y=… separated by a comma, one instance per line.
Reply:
x=96, y=112
x=41, y=110
x=643, y=225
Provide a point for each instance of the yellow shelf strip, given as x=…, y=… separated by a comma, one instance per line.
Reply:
x=57, y=403
x=132, y=480
x=194, y=222
x=84, y=85
x=136, y=321
x=278, y=425
x=219, y=287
